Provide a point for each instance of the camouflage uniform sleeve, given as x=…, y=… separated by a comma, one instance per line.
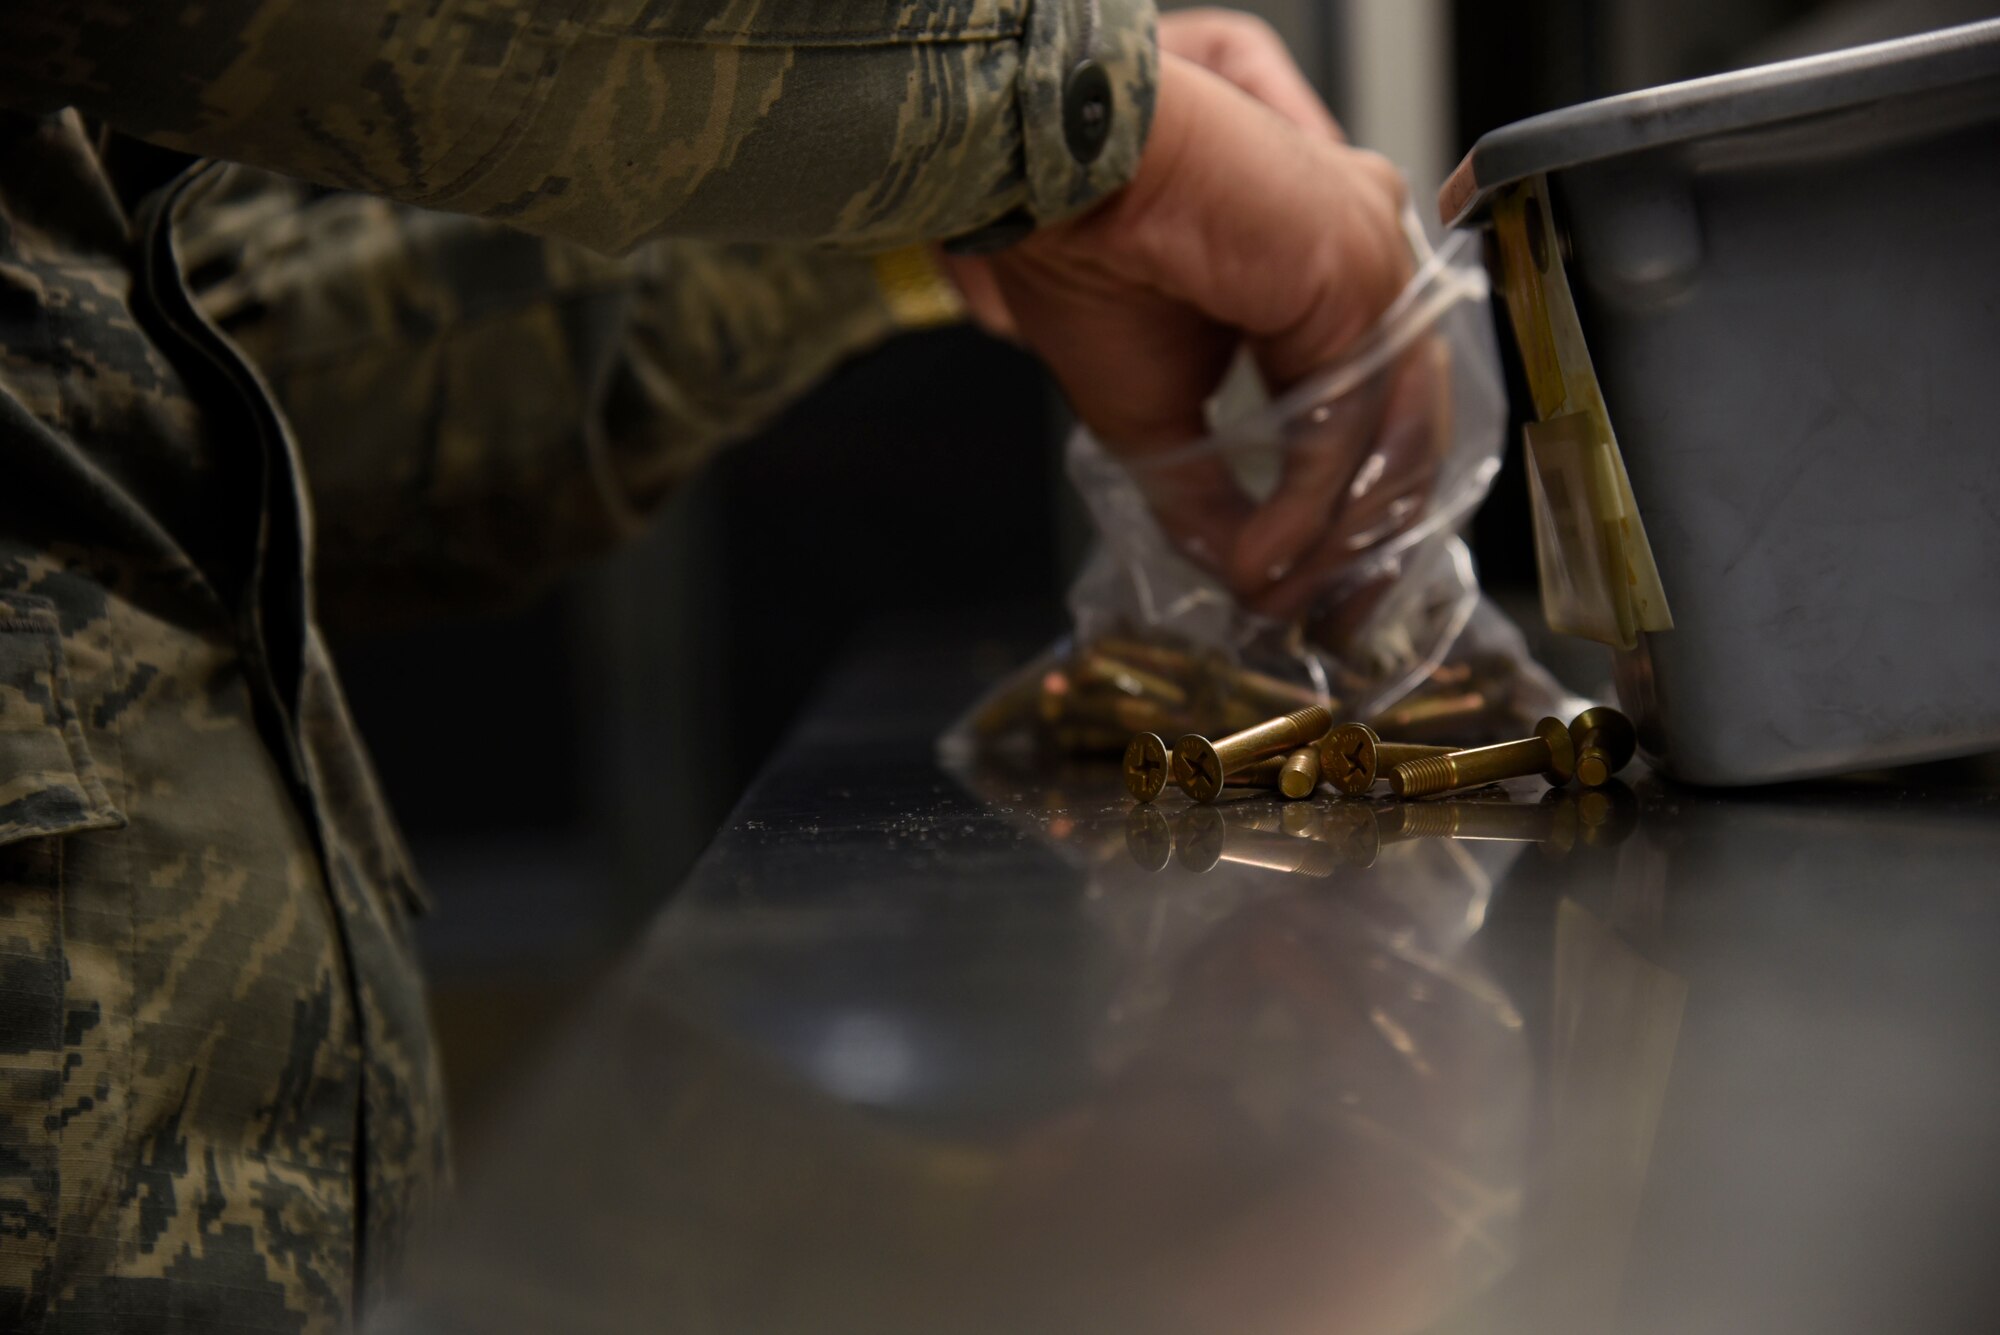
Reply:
x=874, y=124
x=477, y=407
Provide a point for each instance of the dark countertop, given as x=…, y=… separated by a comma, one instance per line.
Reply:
x=915, y=1051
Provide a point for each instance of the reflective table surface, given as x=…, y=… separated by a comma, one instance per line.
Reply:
x=999, y=1051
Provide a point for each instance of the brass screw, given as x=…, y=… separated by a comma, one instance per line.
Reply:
x=1141, y=715
x=1087, y=739
x=1549, y=753
x=1432, y=711
x=1300, y=773
x=1128, y=680
x=1351, y=756
x=1159, y=658
x=1146, y=766
x=1268, y=774
x=1605, y=742
x=1201, y=766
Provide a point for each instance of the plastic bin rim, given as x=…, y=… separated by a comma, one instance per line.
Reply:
x=1719, y=104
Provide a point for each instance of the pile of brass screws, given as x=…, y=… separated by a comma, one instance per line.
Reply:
x=1091, y=701
x=1298, y=752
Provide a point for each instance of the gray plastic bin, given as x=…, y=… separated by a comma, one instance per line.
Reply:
x=1789, y=281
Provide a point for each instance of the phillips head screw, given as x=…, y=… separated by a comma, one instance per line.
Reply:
x=1351, y=757
x=1146, y=765
x=1202, y=766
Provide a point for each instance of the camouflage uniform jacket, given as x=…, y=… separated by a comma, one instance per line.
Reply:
x=219, y=1107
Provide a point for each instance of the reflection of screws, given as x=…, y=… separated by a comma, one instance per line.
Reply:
x=1351, y=756
x=1301, y=820
x=1277, y=852
x=1201, y=766
x=1548, y=753
x=1146, y=766
x=1354, y=832
x=1604, y=745
x=1607, y=815
x=1148, y=838
x=1198, y=839
x=1205, y=838
x=1300, y=773
x=1551, y=824
x=1254, y=813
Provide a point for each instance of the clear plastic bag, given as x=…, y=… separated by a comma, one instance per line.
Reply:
x=1306, y=552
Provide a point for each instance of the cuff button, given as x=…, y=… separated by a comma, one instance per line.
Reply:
x=1086, y=110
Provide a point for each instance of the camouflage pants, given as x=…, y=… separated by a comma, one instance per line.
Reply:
x=218, y=1105
x=181, y=1087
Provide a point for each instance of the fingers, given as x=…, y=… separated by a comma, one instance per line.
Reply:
x=1133, y=364
x=1293, y=242
x=1238, y=227
x=1322, y=456
x=1368, y=263
x=1248, y=52
x=1386, y=493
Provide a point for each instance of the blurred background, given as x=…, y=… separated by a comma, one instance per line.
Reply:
x=661, y=679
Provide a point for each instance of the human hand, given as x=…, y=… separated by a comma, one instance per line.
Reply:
x=1247, y=51
x=1241, y=48
x=1240, y=230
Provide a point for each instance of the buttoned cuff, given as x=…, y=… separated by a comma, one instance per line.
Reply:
x=1088, y=73
x=1087, y=83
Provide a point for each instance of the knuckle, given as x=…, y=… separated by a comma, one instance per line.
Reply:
x=1383, y=174
x=1254, y=29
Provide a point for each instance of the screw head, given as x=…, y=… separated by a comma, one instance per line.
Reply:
x=1149, y=839
x=1146, y=766
x=1347, y=758
x=1197, y=769
x=1562, y=751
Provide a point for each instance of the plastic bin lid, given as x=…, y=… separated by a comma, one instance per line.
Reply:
x=1699, y=108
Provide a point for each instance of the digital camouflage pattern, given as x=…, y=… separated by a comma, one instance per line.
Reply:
x=613, y=121
x=219, y=1107
x=478, y=407
x=218, y=1099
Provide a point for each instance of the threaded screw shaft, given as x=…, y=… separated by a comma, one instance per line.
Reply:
x=1202, y=766
x=1549, y=753
x=1300, y=773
